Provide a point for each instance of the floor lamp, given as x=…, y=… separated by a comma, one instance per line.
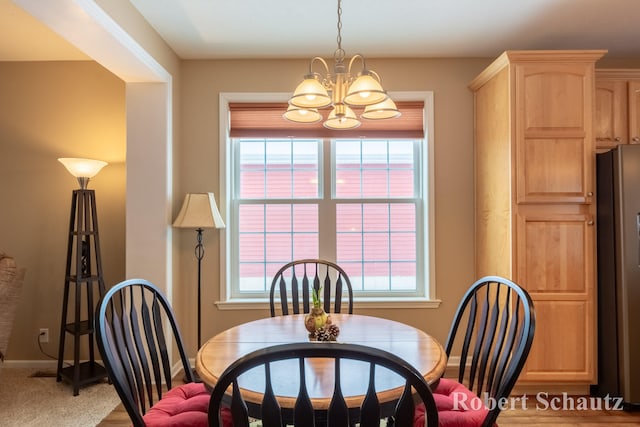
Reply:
x=83, y=253
x=199, y=211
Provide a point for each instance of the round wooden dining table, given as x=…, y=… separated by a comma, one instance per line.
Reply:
x=413, y=345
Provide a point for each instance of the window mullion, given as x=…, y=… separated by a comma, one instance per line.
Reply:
x=327, y=202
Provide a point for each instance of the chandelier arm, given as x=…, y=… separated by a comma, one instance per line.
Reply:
x=357, y=56
x=364, y=70
x=376, y=75
x=322, y=61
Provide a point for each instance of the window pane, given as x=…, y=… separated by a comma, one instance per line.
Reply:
x=349, y=218
x=251, y=277
x=375, y=217
x=272, y=235
x=375, y=183
x=374, y=169
x=305, y=169
x=278, y=169
x=253, y=247
x=278, y=219
x=251, y=157
x=403, y=217
x=382, y=238
x=349, y=246
x=251, y=218
x=374, y=154
x=401, y=183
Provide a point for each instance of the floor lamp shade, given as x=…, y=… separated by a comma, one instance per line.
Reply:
x=82, y=169
x=199, y=210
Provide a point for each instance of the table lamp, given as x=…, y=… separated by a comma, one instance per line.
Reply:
x=199, y=211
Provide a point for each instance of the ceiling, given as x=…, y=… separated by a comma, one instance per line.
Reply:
x=198, y=29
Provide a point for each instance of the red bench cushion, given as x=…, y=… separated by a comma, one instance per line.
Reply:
x=183, y=406
x=457, y=406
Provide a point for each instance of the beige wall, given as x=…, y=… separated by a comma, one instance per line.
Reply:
x=50, y=110
x=77, y=109
x=202, y=81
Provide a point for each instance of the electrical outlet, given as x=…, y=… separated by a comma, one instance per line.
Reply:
x=44, y=335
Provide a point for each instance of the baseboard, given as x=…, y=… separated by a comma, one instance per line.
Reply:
x=42, y=365
x=551, y=389
x=530, y=389
x=32, y=364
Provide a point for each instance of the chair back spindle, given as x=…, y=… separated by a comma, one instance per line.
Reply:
x=298, y=277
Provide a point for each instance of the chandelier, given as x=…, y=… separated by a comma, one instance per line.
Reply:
x=341, y=91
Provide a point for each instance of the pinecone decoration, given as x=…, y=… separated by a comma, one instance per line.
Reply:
x=327, y=333
x=333, y=331
x=322, y=334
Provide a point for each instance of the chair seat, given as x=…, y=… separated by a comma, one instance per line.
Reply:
x=184, y=406
x=457, y=406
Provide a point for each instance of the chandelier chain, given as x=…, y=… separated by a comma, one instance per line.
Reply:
x=339, y=38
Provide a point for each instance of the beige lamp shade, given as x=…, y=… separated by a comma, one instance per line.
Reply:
x=199, y=210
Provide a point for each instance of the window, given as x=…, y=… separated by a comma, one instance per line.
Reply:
x=361, y=202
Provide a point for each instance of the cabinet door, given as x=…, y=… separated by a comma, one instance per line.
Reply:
x=555, y=247
x=554, y=170
x=634, y=112
x=610, y=118
x=562, y=349
x=554, y=133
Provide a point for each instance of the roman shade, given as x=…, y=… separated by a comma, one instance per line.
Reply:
x=265, y=120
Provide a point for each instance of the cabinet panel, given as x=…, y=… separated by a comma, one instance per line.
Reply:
x=556, y=170
x=634, y=111
x=617, y=114
x=562, y=347
x=553, y=97
x=555, y=254
x=610, y=120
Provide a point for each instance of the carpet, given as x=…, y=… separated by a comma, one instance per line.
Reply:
x=27, y=400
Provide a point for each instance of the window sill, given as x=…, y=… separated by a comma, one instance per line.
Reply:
x=364, y=303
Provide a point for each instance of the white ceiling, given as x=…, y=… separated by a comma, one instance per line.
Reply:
x=393, y=28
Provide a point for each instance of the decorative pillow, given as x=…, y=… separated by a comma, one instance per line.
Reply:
x=457, y=406
x=183, y=406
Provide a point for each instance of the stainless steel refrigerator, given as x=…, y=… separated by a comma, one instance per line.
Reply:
x=618, y=243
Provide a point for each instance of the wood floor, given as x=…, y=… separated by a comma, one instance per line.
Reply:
x=535, y=413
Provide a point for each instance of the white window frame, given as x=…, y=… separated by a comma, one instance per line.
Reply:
x=225, y=301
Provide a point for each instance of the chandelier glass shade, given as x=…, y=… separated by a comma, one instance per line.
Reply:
x=342, y=91
x=302, y=115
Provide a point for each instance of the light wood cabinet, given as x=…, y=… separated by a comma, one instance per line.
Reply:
x=534, y=163
x=617, y=113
